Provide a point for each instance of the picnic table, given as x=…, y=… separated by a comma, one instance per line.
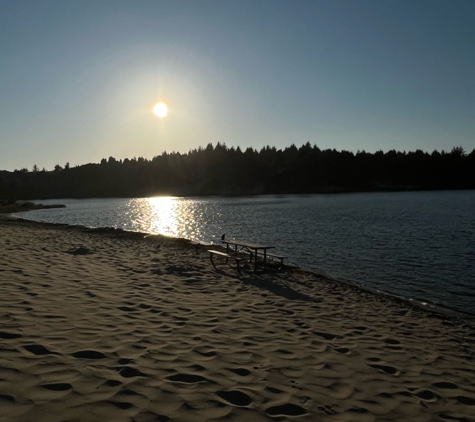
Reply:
x=253, y=249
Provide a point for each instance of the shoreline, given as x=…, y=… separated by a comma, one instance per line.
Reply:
x=424, y=304
x=26, y=206
x=428, y=306
x=104, y=324
x=330, y=191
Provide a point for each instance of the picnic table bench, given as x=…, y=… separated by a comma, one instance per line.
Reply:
x=275, y=257
x=257, y=252
x=213, y=253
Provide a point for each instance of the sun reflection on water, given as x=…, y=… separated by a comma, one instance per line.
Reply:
x=164, y=218
x=165, y=215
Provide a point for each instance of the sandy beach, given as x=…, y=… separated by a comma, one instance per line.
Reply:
x=105, y=325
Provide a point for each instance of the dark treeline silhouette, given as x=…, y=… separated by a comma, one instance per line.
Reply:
x=219, y=170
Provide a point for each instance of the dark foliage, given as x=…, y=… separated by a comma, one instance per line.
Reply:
x=219, y=170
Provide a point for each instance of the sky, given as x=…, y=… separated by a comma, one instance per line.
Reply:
x=79, y=79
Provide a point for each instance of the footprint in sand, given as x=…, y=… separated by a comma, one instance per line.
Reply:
x=242, y=372
x=343, y=350
x=127, y=309
x=274, y=390
x=113, y=383
x=38, y=350
x=327, y=336
x=327, y=409
x=82, y=250
x=128, y=372
x=445, y=385
x=187, y=378
x=359, y=328
x=386, y=369
x=235, y=397
x=427, y=395
x=301, y=324
x=204, y=351
x=58, y=387
x=9, y=336
x=284, y=410
x=466, y=400
x=89, y=354
x=358, y=410
x=121, y=404
x=452, y=418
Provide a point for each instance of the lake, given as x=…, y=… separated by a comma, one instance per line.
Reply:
x=418, y=245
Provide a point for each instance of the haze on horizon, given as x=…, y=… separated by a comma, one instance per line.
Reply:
x=78, y=80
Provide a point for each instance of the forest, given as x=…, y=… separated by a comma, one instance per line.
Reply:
x=221, y=170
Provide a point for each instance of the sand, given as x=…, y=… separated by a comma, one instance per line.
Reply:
x=108, y=326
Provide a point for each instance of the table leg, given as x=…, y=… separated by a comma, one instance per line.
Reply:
x=265, y=258
x=255, y=260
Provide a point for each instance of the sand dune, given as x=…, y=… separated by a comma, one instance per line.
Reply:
x=101, y=325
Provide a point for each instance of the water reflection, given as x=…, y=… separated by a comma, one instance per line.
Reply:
x=167, y=215
x=159, y=215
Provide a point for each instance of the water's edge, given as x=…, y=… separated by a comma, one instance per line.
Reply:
x=433, y=308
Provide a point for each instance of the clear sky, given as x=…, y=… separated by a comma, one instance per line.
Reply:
x=79, y=78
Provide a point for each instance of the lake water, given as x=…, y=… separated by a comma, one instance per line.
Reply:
x=419, y=245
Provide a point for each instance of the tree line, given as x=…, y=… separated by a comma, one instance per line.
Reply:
x=222, y=170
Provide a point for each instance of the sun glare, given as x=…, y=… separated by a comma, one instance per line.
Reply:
x=160, y=109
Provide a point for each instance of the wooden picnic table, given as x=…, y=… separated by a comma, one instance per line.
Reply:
x=252, y=248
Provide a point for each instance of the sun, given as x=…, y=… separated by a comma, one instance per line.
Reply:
x=160, y=109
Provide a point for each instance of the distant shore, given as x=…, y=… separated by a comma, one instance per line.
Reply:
x=22, y=206
x=108, y=323
x=219, y=170
x=251, y=194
